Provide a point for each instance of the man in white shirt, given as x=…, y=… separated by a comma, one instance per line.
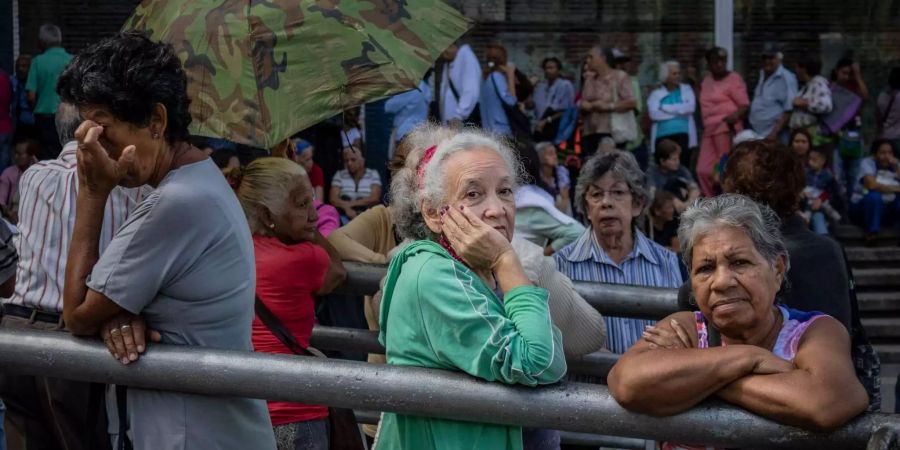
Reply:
x=458, y=85
x=55, y=413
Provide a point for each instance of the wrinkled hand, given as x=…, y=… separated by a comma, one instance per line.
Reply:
x=125, y=336
x=766, y=363
x=98, y=172
x=478, y=244
x=677, y=337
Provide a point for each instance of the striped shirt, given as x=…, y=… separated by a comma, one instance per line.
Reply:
x=353, y=190
x=48, y=191
x=648, y=264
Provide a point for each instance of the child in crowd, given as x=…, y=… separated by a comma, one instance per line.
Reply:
x=664, y=220
x=669, y=175
x=821, y=188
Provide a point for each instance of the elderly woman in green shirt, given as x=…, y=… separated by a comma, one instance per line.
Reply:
x=458, y=298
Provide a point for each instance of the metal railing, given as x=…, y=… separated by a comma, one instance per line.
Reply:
x=609, y=299
x=574, y=407
x=365, y=341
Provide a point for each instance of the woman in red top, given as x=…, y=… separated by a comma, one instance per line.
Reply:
x=294, y=263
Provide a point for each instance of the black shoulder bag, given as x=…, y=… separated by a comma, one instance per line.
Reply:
x=474, y=118
x=518, y=121
x=344, y=431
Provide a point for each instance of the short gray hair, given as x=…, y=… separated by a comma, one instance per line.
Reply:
x=68, y=118
x=407, y=197
x=664, y=69
x=50, y=35
x=541, y=147
x=622, y=166
x=732, y=210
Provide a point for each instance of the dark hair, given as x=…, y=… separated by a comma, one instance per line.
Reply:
x=811, y=63
x=843, y=62
x=554, y=60
x=802, y=131
x=221, y=157
x=877, y=143
x=661, y=198
x=715, y=53
x=894, y=78
x=530, y=159
x=820, y=149
x=31, y=145
x=129, y=74
x=665, y=149
x=768, y=173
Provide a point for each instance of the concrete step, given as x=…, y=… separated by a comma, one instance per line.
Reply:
x=878, y=277
x=851, y=235
x=882, y=328
x=872, y=303
x=888, y=353
x=861, y=257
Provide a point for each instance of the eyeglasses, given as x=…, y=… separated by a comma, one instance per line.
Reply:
x=617, y=195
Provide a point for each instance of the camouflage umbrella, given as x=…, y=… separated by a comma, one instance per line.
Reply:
x=261, y=70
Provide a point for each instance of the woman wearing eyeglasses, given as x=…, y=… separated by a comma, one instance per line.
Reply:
x=611, y=194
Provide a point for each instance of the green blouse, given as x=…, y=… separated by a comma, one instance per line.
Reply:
x=437, y=313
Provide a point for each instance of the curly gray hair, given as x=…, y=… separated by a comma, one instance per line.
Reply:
x=407, y=197
x=733, y=210
x=622, y=166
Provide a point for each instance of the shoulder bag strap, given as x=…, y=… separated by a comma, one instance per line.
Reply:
x=278, y=329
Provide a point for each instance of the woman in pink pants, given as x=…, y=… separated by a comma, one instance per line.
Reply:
x=723, y=105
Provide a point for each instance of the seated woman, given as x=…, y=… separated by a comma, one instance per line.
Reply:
x=612, y=194
x=184, y=258
x=356, y=188
x=555, y=176
x=452, y=278
x=875, y=201
x=743, y=346
x=276, y=196
x=537, y=217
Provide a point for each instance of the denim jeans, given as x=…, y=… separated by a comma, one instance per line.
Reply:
x=818, y=223
x=872, y=212
x=308, y=435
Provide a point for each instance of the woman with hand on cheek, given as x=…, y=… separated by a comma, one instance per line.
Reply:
x=457, y=297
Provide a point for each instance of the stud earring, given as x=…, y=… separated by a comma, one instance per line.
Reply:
x=272, y=226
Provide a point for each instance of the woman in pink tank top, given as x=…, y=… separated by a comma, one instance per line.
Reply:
x=743, y=347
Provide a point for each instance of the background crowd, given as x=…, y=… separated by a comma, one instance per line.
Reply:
x=566, y=180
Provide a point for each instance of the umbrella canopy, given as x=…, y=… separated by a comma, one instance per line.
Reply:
x=258, y=71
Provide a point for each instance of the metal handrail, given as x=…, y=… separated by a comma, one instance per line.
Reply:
x=365, y=341
x=610, y=299
x=573, y=407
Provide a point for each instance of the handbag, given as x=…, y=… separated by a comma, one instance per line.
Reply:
x=846, y=105
x=622, y=125
x=344, y=431
x=519, y=123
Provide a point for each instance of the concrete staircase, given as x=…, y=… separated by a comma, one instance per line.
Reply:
x=877, y=273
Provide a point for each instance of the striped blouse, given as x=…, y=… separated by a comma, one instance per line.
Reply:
x=648, y=264
x=46, y=217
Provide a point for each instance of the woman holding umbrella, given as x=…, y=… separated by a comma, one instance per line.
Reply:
x=182, y=262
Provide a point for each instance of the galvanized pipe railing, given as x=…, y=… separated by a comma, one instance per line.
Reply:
x=354, y=340
x=609, y=299
x=566, y=406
